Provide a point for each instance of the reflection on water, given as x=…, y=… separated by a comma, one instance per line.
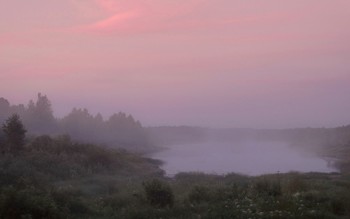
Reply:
x=250, y=158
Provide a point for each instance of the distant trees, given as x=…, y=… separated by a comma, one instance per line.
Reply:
x=120, y=129
x=4, y=108
x=39, y=116
x=81, y=125
x=14, y=133
x=126, y=129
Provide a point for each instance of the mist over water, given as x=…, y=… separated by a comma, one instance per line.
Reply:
x=249, y=158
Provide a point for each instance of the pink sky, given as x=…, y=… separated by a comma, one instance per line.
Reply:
x=223, y=63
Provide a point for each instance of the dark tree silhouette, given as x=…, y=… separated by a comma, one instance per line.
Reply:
x=39, y=116
x=14, y=132
x=4, y=109
x=120, y=130
x=80, y=125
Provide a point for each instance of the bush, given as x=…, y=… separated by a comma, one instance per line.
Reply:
x=199, y=194
x=159, y=193
x=270, y=187
x=27, y=203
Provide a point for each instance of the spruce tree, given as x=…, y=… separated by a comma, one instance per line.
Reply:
x=14, y=132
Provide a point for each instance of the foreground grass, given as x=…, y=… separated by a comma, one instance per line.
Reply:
x=57, y=178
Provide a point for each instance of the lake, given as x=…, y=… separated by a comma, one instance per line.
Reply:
x=249, y=158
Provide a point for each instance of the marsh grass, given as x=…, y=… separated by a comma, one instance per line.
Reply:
x=57, y=178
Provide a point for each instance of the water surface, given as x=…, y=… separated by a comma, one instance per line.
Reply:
x=250, y=158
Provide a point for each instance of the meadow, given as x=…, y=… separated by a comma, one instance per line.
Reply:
x=60, y=178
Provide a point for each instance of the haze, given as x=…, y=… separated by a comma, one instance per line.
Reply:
x=267, y=157
x=225, y=63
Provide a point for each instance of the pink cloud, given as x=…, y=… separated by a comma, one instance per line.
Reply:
x=117, y=21
x=127, y=17
x=155, y=16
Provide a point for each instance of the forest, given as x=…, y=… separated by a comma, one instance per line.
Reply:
x=83, y=166
x=119, y=130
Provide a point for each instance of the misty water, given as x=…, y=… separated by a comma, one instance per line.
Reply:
x=250, y=158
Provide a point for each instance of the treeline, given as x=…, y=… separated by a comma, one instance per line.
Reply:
x=119, y=130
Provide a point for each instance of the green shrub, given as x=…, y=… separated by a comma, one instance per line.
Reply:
x=295, y=184
x=270, y=187
x=159, y=193
x=27, y=203
x=199, y=194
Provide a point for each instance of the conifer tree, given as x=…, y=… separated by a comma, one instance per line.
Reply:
x=14, y=132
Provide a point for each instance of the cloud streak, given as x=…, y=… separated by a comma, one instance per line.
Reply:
x=118, y=22
x=155, y=16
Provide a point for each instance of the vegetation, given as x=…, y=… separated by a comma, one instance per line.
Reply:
x=188, y=195
x=55, y=177
x=119, y=130
x=159, y=193
x=58, y=177
x=14, y=134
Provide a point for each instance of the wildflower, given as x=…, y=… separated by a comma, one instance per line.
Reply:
x=297, y=194
x=312, y=212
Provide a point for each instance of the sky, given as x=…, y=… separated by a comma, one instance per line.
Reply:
x=222, y=63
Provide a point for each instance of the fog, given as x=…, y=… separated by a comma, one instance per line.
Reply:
x=97, y=97
x=249, y=158
x=201, y=63
x=188, y=148
x=248, y=151
x=120, y=130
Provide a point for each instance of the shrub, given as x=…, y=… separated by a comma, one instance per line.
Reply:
x=199, y=194
x=270, y=187
x=27, y=203
x=295, y=184
x=159, y=193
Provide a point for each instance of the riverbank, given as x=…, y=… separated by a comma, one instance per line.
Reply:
x=57, y=178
